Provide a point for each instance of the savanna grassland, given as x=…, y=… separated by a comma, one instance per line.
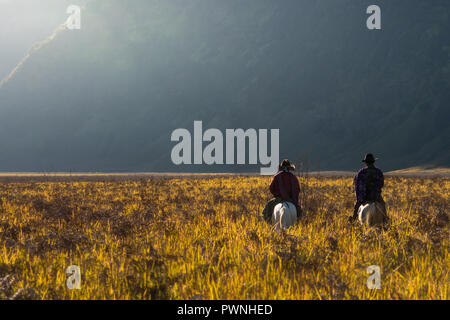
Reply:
x=203, y=238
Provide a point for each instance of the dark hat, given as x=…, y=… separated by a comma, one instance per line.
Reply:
x=285, y=164
x=369, y=158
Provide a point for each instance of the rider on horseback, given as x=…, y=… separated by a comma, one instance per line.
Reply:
x=284, y=187
x=368, y=183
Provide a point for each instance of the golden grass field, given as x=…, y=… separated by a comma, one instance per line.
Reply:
x=202, y=238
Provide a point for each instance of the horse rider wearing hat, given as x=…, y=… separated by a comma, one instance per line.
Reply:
x=368, y=183
x=284, y=187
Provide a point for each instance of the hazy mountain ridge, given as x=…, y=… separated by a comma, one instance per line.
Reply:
x=107, y=97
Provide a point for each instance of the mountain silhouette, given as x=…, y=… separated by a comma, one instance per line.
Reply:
x=107, y=97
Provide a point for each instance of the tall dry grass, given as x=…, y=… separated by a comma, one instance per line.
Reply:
x=183, y=238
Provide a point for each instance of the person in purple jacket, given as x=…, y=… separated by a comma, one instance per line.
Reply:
x=368, y=183
x=284, y=187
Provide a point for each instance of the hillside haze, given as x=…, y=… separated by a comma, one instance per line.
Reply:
x=107, y=97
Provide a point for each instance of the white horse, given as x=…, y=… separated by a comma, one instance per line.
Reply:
x=284, y=215
x=371, y=214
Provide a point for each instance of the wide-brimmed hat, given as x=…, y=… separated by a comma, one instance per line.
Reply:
x=286, y=164
x=369, y=158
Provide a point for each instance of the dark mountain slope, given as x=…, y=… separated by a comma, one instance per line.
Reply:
x=107, y=97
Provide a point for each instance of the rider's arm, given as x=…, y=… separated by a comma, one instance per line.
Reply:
x=360, y=186
x=272, y=187
x=295, y=190
x=380, y=179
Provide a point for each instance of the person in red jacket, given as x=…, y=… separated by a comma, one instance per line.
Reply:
x=284, y=187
